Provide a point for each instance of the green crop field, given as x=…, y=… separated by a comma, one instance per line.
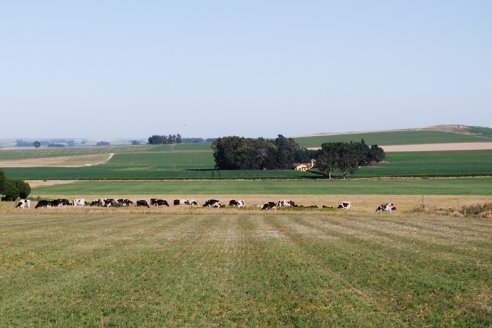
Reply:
x=450, y=186
x=394, y=138
x=199, y=164
x=130, y=268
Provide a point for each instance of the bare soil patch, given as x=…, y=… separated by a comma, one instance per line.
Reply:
x=63, y=161
x=439, y=147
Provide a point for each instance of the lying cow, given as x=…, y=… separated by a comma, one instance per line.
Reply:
x=237, y=203
x=60, y=202
x=98, y=202
x=43, y=203
x=286, y=203
x=269, y=206
x=23, y=203
x=185, y=202
x=158, y=202
x=142, y=202
x=386, y=207
x=345, y=205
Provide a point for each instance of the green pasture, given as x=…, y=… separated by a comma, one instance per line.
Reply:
x=133, y=268
x=394, y=138
x=448, y=186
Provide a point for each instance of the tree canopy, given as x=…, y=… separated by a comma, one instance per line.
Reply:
x=12, y=189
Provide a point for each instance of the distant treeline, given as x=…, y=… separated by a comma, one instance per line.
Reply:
x=238, y=153
x=175, y=139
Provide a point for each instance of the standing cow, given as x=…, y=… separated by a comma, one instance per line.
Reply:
x=23, y=203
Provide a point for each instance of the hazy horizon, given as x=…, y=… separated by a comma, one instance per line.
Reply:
x=110, y=69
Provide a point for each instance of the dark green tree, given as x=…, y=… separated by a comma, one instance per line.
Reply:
x=36, y=144
x=327, y=159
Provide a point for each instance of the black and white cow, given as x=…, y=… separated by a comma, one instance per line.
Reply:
x=78, y=202
x=213, y=203
x=98, y=202
x=108, y=202
x=124, y=202
x=269, y=206
x=346, y=205
x=158, y=202
x=142, y=202
x=23, y=203
x=286, y=203
x=237, y=203
x=43, y=203
x=386, y=207
x=185, y=202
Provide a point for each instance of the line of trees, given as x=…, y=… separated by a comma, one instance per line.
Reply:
x=239, y=153
x=347, y=157
x=11, y=189
x=163, y=139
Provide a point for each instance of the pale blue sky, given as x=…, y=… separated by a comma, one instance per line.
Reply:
x=251, y=68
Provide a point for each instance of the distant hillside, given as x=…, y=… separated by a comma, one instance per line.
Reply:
x=434, y=134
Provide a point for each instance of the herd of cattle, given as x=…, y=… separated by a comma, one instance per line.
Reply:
x=110, y=202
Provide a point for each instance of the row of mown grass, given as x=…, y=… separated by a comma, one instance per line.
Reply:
x=144, y=269
x=449, y=186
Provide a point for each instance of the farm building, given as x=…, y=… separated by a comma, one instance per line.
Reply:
x=303, y=166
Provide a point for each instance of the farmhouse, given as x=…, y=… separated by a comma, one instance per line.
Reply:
x=303, y=166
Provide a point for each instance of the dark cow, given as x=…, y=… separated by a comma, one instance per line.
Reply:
x=324, y=206
x=386, y=207
x=269, y=206
x=158, y=202
x=286, y=203
x=23, y=203
x=124, y=202
x=43, y=203
x=345, y=205
x=142, y=202
x=60, y=202
x=237, y=203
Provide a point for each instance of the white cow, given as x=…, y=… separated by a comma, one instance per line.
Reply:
x=79, y=202
x=286, y=203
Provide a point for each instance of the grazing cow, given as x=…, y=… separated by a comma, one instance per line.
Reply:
x=386, y=207
x=142, y=202
x=286, y=203
x=185, y=202
x=158, y=202
x=23, y=203
x=79, y=202
x=345, y=205
x=124, y=202
x=269, y=206
x=237, y=203
x=43, y=203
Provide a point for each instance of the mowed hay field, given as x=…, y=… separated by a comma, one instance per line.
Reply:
x=183, y=267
